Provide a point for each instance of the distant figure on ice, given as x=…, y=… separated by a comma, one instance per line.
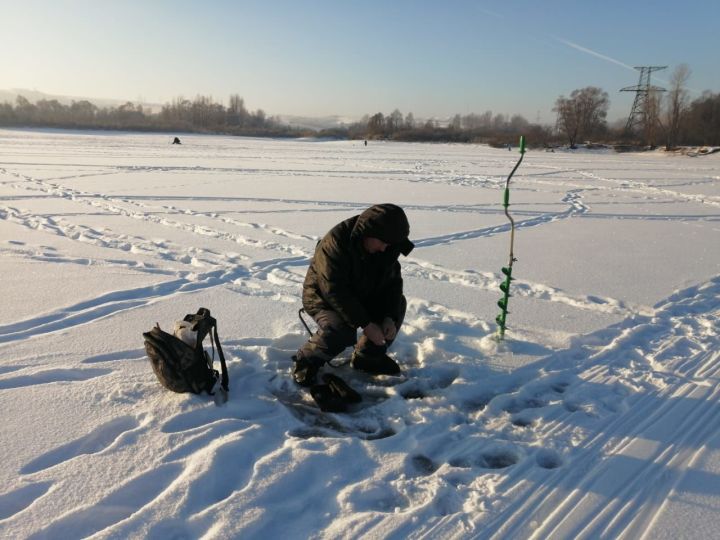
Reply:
x=365, y=142
x=354, y=281
x=509, y=147
x=176, y=140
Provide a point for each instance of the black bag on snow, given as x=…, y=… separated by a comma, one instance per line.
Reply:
x=335, y=395
x=182, y=368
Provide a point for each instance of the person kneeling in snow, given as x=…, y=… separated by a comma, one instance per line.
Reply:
x=354, y=281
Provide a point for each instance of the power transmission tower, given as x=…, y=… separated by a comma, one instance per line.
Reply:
x=643, y=90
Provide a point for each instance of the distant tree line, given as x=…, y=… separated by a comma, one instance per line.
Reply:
x=202, y=114
x=205, y=115
x=493, y=129
x=670, y=119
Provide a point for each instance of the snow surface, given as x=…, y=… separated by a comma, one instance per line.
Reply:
x=597, y=417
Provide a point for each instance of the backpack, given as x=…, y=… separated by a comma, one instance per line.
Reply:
x=182, y=368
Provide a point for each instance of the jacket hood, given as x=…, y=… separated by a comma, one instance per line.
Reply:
x=386, y=222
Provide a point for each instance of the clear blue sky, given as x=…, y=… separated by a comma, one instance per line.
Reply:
x=321, y=57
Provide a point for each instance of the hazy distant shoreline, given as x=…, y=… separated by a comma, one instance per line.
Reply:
x=203, y=115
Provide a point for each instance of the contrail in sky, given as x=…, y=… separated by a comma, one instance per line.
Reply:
x=603, y=57
x=585, y=50
x=566, y=42
x=594, y=53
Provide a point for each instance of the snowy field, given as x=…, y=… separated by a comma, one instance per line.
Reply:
x=598, y=417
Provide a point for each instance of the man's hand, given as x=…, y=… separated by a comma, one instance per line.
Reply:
x=374, y=333
x=389, y=329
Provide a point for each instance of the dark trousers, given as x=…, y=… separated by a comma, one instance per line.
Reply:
x=334, y=335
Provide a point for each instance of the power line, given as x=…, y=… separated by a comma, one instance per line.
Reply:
x=643, y=91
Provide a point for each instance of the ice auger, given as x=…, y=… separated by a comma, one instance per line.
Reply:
x=507, y=270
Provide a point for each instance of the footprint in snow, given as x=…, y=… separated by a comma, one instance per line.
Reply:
x=499, y=457
x=522, y=420
x=496, y=456
x=413, y=391
x=422, y=385
x=422, y=465
x=478, y=402
x=548, y=459
x=534, y=395
x=520, y=404
x=308, y=432
x=375, y=497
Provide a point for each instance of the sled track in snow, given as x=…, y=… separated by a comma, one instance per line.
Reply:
x=129, y=208
x=228, y=269
x=487, y=281
x=584, y=500
x=605, y=183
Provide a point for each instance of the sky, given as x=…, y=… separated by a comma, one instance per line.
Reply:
x=336, y=57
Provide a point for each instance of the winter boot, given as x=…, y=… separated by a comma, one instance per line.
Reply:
x=376, y=365
x=305, y=371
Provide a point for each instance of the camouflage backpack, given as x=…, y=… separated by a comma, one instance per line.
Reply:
x=182, y=368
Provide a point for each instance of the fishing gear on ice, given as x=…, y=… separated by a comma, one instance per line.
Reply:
x=180, y=362
x=507, y=270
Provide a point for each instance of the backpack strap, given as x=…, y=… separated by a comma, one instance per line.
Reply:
x=204, y=324
x=224, y=381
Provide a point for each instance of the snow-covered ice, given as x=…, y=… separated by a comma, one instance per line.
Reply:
x=596, y=417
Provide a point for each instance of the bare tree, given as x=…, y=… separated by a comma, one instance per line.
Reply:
x=24, y=110
x=456, y=122
x=83, y=112
x=237, y=113
x=51, y=110
x=409, y=121
x=260, y=117
x=394, y=122
x=499, y=121
x=651, y=113
x=582, y=114
x=376, y=124
x=677, y=104
x=518, y=122
x=703, y=120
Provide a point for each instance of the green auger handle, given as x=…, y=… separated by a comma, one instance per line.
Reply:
x=522, y=144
